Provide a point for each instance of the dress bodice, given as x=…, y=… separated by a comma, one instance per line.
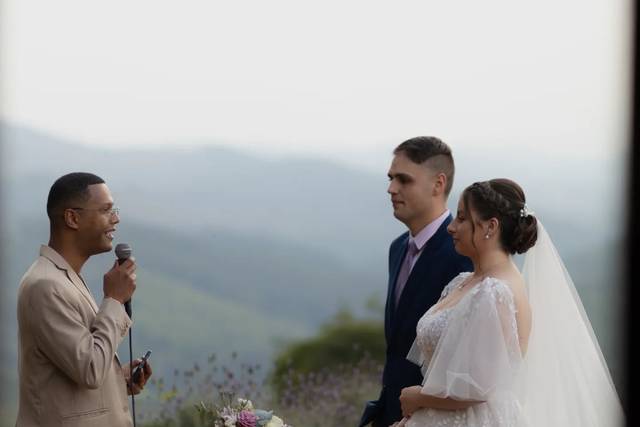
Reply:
x=451, y=324
x=433, y=323
x=430, y=328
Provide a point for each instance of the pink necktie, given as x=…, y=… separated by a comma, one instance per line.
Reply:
x=405, y=269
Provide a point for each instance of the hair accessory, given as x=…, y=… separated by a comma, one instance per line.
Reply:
x=525, y=212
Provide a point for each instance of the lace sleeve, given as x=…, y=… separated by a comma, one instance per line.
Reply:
x=478, y=353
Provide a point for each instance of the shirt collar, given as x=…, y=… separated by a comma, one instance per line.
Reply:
x=55, y=257
x=428, y=231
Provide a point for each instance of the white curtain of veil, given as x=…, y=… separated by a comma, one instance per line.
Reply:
x=565, y=380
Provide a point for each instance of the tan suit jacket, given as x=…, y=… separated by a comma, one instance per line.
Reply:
x=69, y=372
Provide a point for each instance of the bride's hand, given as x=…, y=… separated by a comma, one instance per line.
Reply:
x=410, y=400
x=400, y=423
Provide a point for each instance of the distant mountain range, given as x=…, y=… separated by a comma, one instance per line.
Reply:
x=240, y=253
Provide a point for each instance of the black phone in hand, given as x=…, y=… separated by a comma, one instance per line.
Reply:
x=135, y=376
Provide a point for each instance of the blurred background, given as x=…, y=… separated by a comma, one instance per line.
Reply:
x=247, y=145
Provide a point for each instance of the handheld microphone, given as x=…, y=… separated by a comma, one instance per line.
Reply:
x=123, y=252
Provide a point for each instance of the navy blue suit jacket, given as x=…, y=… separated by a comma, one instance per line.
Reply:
x=436, y=266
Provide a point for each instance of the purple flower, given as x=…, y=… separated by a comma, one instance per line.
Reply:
x=246, y=419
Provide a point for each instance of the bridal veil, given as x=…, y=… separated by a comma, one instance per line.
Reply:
x=564, y=378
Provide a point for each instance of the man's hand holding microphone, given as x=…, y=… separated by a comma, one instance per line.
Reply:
x=120, y=284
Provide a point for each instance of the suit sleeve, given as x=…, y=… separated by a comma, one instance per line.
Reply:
x=84, y=353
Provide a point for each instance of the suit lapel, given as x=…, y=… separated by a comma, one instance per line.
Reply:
x=62, y=264
x=393, y=278
x=419, y=271
x=82, y=287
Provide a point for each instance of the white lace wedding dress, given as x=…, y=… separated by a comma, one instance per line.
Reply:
x=470, y=351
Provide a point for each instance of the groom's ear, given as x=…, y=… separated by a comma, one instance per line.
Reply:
x=440, y=184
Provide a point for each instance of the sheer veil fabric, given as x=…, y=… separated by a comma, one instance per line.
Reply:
x=564, y=377
x=561, y=381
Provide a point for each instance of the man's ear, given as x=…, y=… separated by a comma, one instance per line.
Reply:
x=440, y=184
x=71, y=218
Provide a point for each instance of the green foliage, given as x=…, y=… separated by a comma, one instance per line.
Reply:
x=344, y=341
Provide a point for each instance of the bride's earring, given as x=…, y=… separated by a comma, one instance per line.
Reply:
x=486, y=236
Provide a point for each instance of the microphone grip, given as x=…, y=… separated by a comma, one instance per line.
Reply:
x=127, y=304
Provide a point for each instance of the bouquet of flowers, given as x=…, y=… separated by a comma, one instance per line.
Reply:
x=240, y=413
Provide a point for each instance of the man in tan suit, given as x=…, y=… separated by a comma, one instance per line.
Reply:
x=70, y=374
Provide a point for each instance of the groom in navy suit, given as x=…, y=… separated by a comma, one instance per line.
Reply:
x=421, y=262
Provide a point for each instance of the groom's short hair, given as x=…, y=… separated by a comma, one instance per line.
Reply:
x=432, y=152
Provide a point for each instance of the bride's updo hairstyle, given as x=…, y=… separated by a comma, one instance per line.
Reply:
x=504, y=200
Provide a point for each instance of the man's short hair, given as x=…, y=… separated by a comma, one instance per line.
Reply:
x=433, y=152
x=69, y=190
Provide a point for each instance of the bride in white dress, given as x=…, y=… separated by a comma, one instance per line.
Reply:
x=501, y=349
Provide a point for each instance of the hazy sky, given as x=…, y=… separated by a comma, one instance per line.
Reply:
x=327, y=78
